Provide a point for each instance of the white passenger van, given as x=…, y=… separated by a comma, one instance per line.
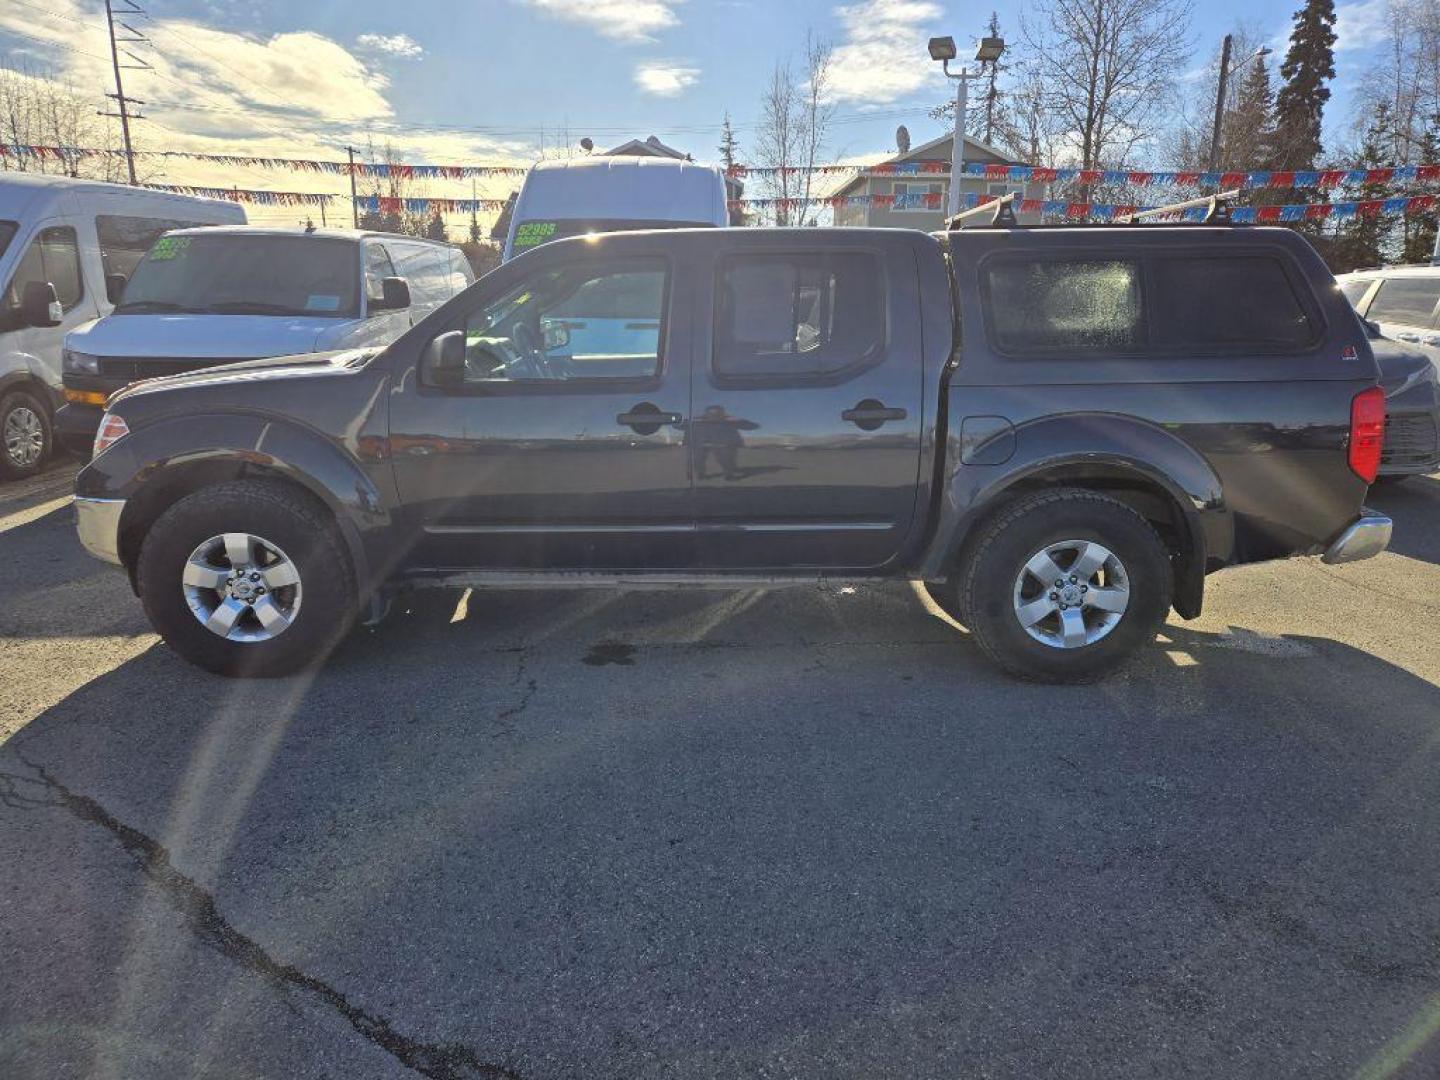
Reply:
x=206, y=297
x=608, y=194
x=66, y=247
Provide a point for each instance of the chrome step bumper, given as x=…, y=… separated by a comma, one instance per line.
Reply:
x=1365, y=537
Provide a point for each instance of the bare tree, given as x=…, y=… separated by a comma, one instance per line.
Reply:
x=36, y=109
x=1028, y=129
x=1187, y=142
x=816, y=111
x=1107, y=66
x=779, y=137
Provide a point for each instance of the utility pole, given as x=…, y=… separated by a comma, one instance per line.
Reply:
x=122, y=102
x=1220, y=102
x=474, y=221
x=354, y=201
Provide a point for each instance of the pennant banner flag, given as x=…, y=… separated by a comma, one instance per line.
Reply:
x=243, y=195
x=336, y=168
x=1082, y=211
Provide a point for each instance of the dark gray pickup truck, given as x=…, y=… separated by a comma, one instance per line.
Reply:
x=1059, y=431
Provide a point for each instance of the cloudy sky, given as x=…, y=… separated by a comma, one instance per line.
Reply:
x=469, y=81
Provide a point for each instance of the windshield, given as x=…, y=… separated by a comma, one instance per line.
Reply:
x=531, y=234
x=7, y=233
x=237, y=274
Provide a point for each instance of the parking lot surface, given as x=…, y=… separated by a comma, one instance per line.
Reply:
x=805, y=833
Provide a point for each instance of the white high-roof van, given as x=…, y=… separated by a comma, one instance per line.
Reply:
x=608, y=194
x=66, y=247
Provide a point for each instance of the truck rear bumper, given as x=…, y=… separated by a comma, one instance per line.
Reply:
x=1364, y=538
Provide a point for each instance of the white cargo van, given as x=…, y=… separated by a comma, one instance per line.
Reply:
x=206, y=297
x=608, y=194
x=66, y=247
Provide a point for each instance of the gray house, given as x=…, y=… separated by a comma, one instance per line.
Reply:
x=931, y=177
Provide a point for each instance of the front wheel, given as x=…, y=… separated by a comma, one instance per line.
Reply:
x=247, y=578
x=25, y=435
x=1065, y=585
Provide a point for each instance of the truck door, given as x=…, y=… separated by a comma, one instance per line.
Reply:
x=805, y=430
x=564, y=446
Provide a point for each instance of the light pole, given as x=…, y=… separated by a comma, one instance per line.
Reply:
x=943, y=49
x=1225, y=72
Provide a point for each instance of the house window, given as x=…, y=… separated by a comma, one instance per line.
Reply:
x=910, y=196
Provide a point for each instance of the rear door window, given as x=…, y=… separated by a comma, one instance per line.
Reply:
x=1079, y=305
x=798, y=316
x=1405, y=300
x=1203, y=304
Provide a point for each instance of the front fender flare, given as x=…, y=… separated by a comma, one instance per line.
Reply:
x=166, y=448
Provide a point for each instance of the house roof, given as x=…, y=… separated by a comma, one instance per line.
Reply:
x=923, y=153
x=651, y=147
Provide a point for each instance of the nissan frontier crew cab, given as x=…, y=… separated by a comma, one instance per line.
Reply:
x=1059, y=431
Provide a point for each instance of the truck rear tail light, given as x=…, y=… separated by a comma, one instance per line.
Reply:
x=1367, y=433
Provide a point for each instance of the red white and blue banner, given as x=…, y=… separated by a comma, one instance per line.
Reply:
x=1084, y=211
x=1223, y=180
x=379, y=170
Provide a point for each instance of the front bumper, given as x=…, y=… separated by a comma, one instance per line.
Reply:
x=98, y=522
x=1364, y=538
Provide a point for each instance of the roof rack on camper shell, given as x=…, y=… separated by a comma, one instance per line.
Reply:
x=1002, y=213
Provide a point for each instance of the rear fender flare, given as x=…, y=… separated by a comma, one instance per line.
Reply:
x=1102, y=446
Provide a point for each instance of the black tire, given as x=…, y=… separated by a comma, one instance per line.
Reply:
x=286, y=517
x=11, y=406
x=1029, y=525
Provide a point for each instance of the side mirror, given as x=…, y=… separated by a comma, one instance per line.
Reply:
x=442, y=364
x=115, y=287
x=40, y=305
x=394, y=295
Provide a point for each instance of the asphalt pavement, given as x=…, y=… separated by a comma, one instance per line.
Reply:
x=805, y=833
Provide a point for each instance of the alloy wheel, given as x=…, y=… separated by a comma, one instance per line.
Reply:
x=1071, y=594
x=242, y=587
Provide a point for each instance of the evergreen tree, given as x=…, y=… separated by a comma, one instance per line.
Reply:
x=1362, y=241
x=993, y=115
x=1309, y=65
x=728, y=145
x=435, y=227
x=1419, y=232
x=1249, y=131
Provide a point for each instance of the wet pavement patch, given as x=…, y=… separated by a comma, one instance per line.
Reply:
x=610, y=652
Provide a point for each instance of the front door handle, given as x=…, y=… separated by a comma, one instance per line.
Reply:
x=869, y=414
x=647, y=419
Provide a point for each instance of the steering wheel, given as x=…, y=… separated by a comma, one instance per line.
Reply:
x=532, y=362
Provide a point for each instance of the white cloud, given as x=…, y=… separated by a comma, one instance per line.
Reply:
x=398, y=45
x=665, y=78
x=623, y=20
x=1360, y=24
x=882, y=57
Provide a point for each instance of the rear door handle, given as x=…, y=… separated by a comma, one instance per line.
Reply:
x=647, y=419
x=869, y=414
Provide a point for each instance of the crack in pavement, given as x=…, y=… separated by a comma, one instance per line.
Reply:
x=441, y=1061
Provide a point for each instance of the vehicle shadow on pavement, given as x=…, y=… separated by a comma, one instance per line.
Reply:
x=1410, y=502
x=804, y=831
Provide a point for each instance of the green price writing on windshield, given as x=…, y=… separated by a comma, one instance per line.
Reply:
x=167, y=247
x=534, y=232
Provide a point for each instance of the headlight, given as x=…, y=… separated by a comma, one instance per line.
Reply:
x=112, y=429
x=79, y=363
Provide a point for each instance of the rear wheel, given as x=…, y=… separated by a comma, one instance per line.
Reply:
x=25, y=435
x=1065, y=585
x=247, y=578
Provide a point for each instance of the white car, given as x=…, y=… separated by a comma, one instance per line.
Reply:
x=1401, y=300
